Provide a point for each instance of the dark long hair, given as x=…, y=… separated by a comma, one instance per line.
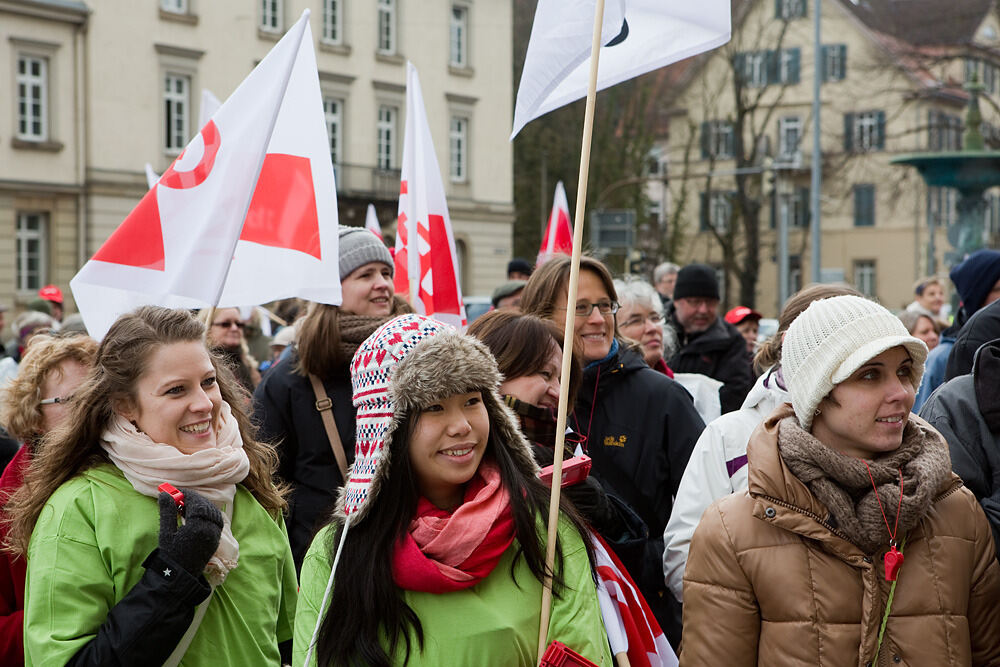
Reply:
x=366, y=607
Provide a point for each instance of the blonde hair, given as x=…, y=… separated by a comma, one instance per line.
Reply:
x=20, y=411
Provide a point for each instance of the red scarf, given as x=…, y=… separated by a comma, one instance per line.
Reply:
x=445, y=552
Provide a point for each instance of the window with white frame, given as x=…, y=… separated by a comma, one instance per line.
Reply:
x=834, y=64
x=333, y=21
x=458, y=136
x=386, y=139
x=789, y=137
x=788, y=65
x=790, y=9
x=942, y=206
x=864, y=276
x=333, y=111
x=32, y=98
x=174, y=6
x=271, y=15
x=755, y=70
x=716, y=210
x=865, y=131
x=386, y=42
x=717, y=140
x=177, y=111
x=459, y=36
x=32, y=251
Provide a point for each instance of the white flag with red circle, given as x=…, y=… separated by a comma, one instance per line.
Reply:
x=245, y=215
x=559, y=232
x=371, y=221
x=426, y=261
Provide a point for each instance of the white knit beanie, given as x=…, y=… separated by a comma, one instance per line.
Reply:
x=830, y=340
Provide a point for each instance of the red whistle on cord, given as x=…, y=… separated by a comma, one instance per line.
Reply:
x=174, y=493
x=893, y=561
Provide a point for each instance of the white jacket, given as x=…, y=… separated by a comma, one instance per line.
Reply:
x=717, y=468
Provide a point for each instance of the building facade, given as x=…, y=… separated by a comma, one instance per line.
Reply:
x=891, y=83
x=99, y=88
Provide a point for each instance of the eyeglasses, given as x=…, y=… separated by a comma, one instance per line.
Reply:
x=56, y=399
x=584, y=309
x=653, y=318
x=228, y=324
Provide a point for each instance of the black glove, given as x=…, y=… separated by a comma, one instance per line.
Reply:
x=192, y=544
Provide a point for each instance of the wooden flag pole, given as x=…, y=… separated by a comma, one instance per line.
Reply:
x=568, y=329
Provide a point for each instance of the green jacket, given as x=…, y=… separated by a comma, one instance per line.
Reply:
x=87, y=552
x=493, y=623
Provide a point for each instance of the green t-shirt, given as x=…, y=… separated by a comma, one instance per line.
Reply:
x=492, y=623
x=86, y=554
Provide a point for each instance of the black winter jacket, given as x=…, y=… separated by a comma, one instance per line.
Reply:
x=966, y=410
x=719, y=352
x=284, y=407
x=981, y=328
x=640, y=428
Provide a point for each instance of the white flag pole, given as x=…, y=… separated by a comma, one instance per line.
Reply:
x=568, y=329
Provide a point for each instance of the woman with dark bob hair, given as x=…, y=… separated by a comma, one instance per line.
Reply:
x=112, y=577
x=638, y=425
x=440, y=527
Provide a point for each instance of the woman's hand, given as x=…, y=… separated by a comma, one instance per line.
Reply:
x=192, y=544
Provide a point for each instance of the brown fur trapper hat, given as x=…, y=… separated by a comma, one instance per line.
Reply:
x=409, y=363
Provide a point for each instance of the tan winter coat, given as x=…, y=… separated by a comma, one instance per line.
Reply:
x=769, y=582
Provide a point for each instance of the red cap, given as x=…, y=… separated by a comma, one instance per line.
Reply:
x=51, y=293
x=740, y=313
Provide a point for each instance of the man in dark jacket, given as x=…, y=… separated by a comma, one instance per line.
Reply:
x=966, y=410
x=706, y=343
x=981, y=328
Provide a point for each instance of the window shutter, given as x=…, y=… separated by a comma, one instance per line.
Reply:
x=777, y=10
x=774, y=208
x=803, y=197
x=793, y=69
x=772, y=64
x=858, y=208
x=880, y=135
x=803, y=8
x=824, y=75
x=848, y=132
x=740, y=67
x=871, y=204
x=705, y=141
x=703, y=212
x=841, y=72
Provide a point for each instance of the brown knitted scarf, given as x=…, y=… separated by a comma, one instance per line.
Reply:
x=842, y=483
x=354, y=329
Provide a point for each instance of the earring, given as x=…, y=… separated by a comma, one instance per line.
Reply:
x=817, y=411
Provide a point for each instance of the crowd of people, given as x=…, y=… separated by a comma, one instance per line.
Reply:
x=363, y=484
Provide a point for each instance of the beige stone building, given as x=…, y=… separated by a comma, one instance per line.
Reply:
x=892, y=83
x=96, y=89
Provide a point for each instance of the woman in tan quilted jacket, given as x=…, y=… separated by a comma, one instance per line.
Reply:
x=855, y=544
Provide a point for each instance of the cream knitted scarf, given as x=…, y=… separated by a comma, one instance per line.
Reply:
x=214, y=473
x=842, y=483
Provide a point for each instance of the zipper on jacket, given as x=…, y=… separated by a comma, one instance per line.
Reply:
x=815, y=517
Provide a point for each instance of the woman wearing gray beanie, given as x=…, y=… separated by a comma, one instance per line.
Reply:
x=855, y=544
x=285, y=402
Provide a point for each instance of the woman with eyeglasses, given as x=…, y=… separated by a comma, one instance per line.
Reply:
x=310, y=446
x=638, y=425
x=34, y=403
x=224, y=335
x=640, y=318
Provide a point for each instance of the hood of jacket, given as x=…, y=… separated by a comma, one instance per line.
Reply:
x=986, y=370
x=765, y=394
x=981, y=328
x=407, y=364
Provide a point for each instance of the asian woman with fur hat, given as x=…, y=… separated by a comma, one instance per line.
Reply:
x=441, y=523
x=855, y=544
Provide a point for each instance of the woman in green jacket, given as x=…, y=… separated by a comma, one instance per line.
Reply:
x=441, y=524
x=117, y=572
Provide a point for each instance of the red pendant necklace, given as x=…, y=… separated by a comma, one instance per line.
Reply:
x=893, y=559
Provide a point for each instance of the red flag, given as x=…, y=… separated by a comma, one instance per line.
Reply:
x=245, y=215
x=426, y=261
x=559, y=232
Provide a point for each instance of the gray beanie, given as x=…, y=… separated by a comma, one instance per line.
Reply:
x=359, y=246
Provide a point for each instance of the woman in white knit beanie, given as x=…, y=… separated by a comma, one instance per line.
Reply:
x=855, y=544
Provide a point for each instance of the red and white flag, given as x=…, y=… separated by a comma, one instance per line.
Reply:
x=426, y=261
x=559, y=232
x=371, y=221
x=629, y=621
x=245, y=215
x=638, y=36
